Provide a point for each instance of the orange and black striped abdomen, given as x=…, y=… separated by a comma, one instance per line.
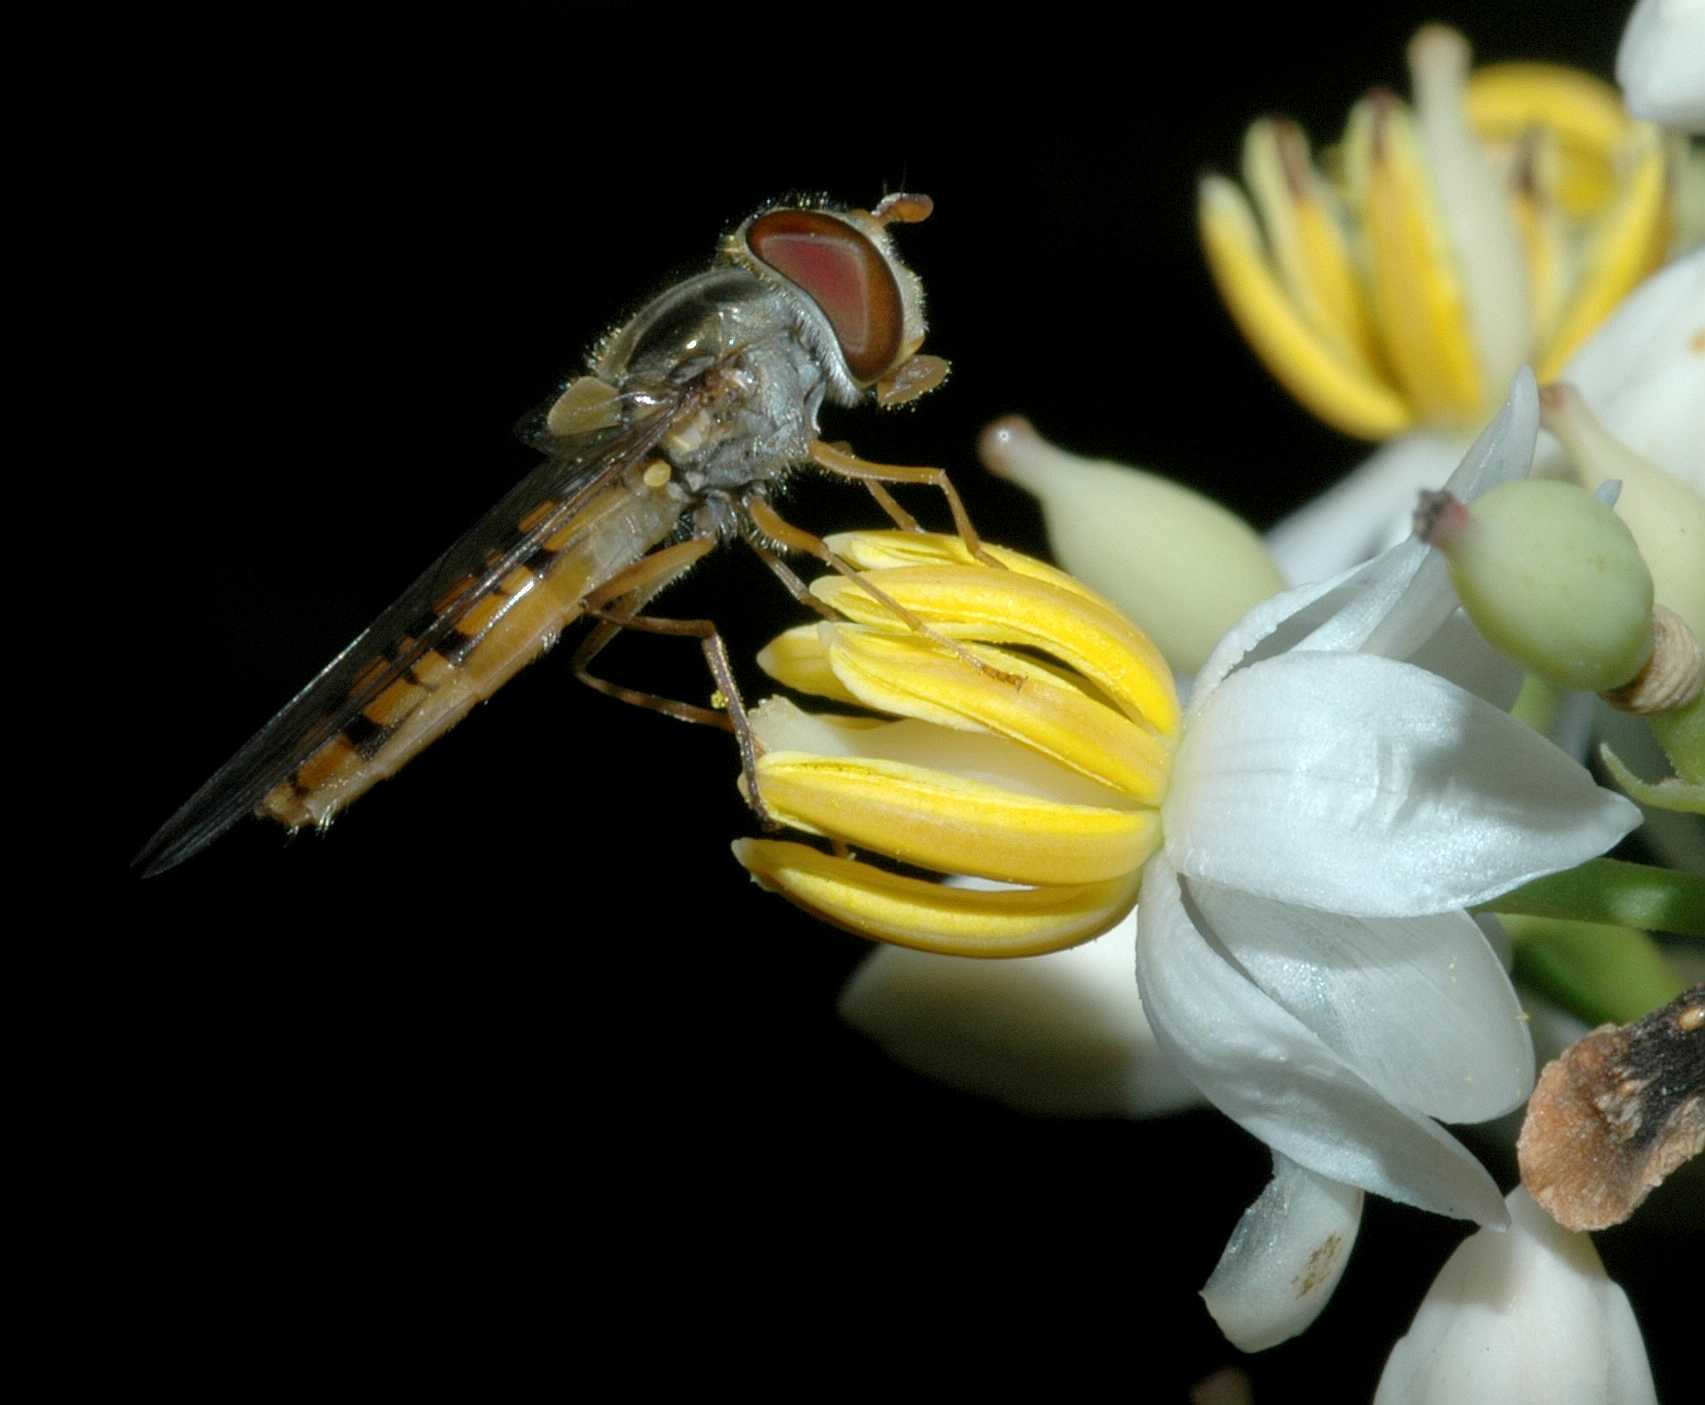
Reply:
x=417, y=695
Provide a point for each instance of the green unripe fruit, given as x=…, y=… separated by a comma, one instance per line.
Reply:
x=1552, y=578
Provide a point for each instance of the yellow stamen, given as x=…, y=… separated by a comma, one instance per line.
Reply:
x=1311, y=368
x=1626, y=245
x=932, y=916
x=1507, y=100
x=1300, y=217
x=946, y=822
x=977, y=603
x=798, y=659
x=875, y=551
x=1047, y=772
x=1418, y=299
x=908, y=675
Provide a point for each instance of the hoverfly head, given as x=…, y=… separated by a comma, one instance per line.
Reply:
x=863, y=310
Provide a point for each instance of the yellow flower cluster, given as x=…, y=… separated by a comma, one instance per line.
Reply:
x=1496, y=223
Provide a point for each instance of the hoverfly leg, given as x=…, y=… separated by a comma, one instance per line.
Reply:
x=786, y=575
x=630, y=591
x=845, y=465
x=885, y=500
x=773, y=525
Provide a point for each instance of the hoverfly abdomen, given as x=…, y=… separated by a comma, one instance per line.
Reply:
x=490, y=638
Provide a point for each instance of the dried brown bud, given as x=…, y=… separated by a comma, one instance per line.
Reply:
x=1615, y=1114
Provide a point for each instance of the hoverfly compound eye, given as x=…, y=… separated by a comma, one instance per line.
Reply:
x=846, y=275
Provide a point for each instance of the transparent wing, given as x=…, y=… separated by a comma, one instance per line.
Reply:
x=511, y=534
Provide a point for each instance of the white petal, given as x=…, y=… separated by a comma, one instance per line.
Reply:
x=1643, y=375
x=1391, y=605
x=1365, y=512
x=1365, y=786
x=1063, y=1034
x=1526, y=1317
x=1419, y=1007
x=1276, y=625
x=1370, y=510
x=1661, y=64
x=1504, y=450
x=1285, y=1257
x=1457, y=651
x=1405, y=596
x=1395, y=603
x=1266, y=1071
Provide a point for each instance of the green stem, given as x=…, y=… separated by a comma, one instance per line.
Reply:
x=1537, y=703
x=1609, y=890
x=1599, y=973
x=1682, y=735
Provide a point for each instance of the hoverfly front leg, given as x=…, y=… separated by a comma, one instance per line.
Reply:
x=845, y=465
x=632, y=590
x=773, y=525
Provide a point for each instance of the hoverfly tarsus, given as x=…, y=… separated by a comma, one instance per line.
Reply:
x=693, y=412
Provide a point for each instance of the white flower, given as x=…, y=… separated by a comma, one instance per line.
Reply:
x=1335, y=802
x=1308, y=835
x=1302, y=946
x=1301, y=940
x=1525, y=1317
x=1661, y=64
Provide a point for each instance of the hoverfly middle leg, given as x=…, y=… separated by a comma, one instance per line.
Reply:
x=630, y=591
x=884, y=499
x=846, y=465
x=790, y=579
x=773, y=525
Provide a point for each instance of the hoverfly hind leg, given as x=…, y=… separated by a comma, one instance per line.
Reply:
x=630, y=591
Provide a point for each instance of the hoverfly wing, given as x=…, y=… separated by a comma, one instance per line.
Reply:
x=515, y=532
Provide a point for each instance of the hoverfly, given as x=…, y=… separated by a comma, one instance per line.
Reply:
x=691, y=416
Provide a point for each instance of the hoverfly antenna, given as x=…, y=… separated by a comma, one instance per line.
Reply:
x=900, y=208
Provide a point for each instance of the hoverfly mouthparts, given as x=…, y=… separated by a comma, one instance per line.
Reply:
x=694, y=412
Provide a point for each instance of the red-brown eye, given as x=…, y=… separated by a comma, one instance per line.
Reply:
x=845, y=275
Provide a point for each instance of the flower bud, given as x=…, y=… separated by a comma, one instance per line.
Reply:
x=1552, y=578
x=1525, y=1316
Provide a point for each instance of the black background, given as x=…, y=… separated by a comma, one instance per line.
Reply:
x=515, y=1073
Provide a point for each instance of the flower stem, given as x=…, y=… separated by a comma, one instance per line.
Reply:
x=1598, y=972
x=1682, y=735
x=1537, y=703
x=1609, y=890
